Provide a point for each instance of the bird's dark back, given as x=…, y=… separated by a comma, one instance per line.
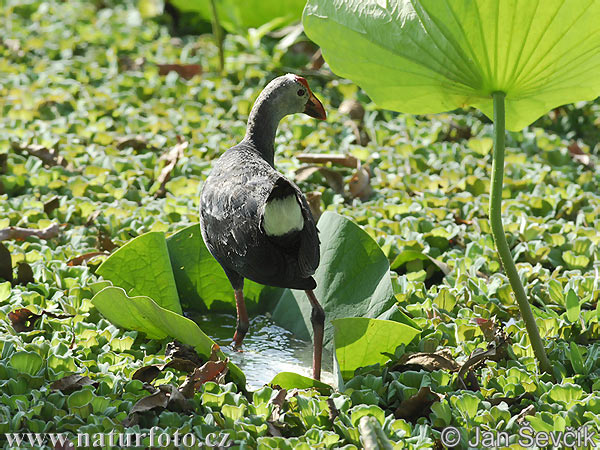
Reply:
x=232, y=205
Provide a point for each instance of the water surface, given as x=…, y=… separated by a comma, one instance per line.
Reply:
x=267, y=350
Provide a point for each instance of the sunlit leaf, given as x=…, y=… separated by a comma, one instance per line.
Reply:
x=142, y=267
x=360, y=341
x=429, y=56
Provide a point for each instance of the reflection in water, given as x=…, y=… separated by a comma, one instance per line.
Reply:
x=267, y=350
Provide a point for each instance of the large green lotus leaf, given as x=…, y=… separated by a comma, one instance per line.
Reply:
x=361, y=341
x=352, y=280
x=142, y=267
x=201, y=281
x=144, y=314
x=429, y=56
x=236, y=15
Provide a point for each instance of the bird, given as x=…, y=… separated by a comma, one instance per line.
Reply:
x=255, y=222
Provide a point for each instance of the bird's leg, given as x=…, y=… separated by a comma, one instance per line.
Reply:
x=317, y=318
x=242, y=323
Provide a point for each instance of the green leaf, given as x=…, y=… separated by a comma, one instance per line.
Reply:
x=352, y=280
x=201, y=281
x=576, y=359
x=429, y=56
x=142, y=267
x=575, y=261
x=4, y=291
x=467, y=403
x=237, y=15
x=445, y=299
x=555, y=290
x=290, y=380
x=27, y=362
x=366, y=410
x=360, y=341
x=144, y=314
x=573, y=308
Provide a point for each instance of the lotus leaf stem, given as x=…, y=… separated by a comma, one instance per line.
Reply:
x=500, y=239
x=218, y=34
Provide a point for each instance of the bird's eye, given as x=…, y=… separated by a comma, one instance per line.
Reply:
x=301, y=92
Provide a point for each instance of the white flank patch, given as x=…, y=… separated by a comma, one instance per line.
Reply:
x=282, y=215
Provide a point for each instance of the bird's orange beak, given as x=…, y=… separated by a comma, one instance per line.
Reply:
x=314, y=108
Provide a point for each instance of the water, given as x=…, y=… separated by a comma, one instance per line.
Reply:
x=267, y=350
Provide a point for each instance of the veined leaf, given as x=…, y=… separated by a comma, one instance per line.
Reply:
x=429, y=56
x=142, y=267
x=360, y=341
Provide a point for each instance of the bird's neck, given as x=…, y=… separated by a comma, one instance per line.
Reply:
x=261, y=129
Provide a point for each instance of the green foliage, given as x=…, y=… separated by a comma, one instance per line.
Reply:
x=427, y=56
x=289, y=380
x=71, y=80
x=144, y=314
x=360, y=342
x=238, y=16
x=142, y=267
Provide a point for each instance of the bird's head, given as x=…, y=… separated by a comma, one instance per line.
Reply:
x=291, y=94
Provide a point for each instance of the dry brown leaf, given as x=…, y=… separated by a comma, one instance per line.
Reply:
x=147, y=374
x=314, y=203
x=104, y=242
x=353, y=108
x=79, y=260
x=129, y=64
x=23, y=320
x=183, y=365
x=92, y=217
x=529, y=411
x=277, y=400
x=210, y=371
x=172, y=157
x=72, y=383
x=159, y=400
x=51, y=205
x=360, y=183
x=6, y=269
x=177, y=350
x=334, y=179
x=135, y=142
x=3, y=163
x=419, y=405
x=487, y=327
x=186, y=71
x=24, y=274
x=342, y=160
x=21, y=234
x=579, y=155
x=440, y=360
x=49, y=156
